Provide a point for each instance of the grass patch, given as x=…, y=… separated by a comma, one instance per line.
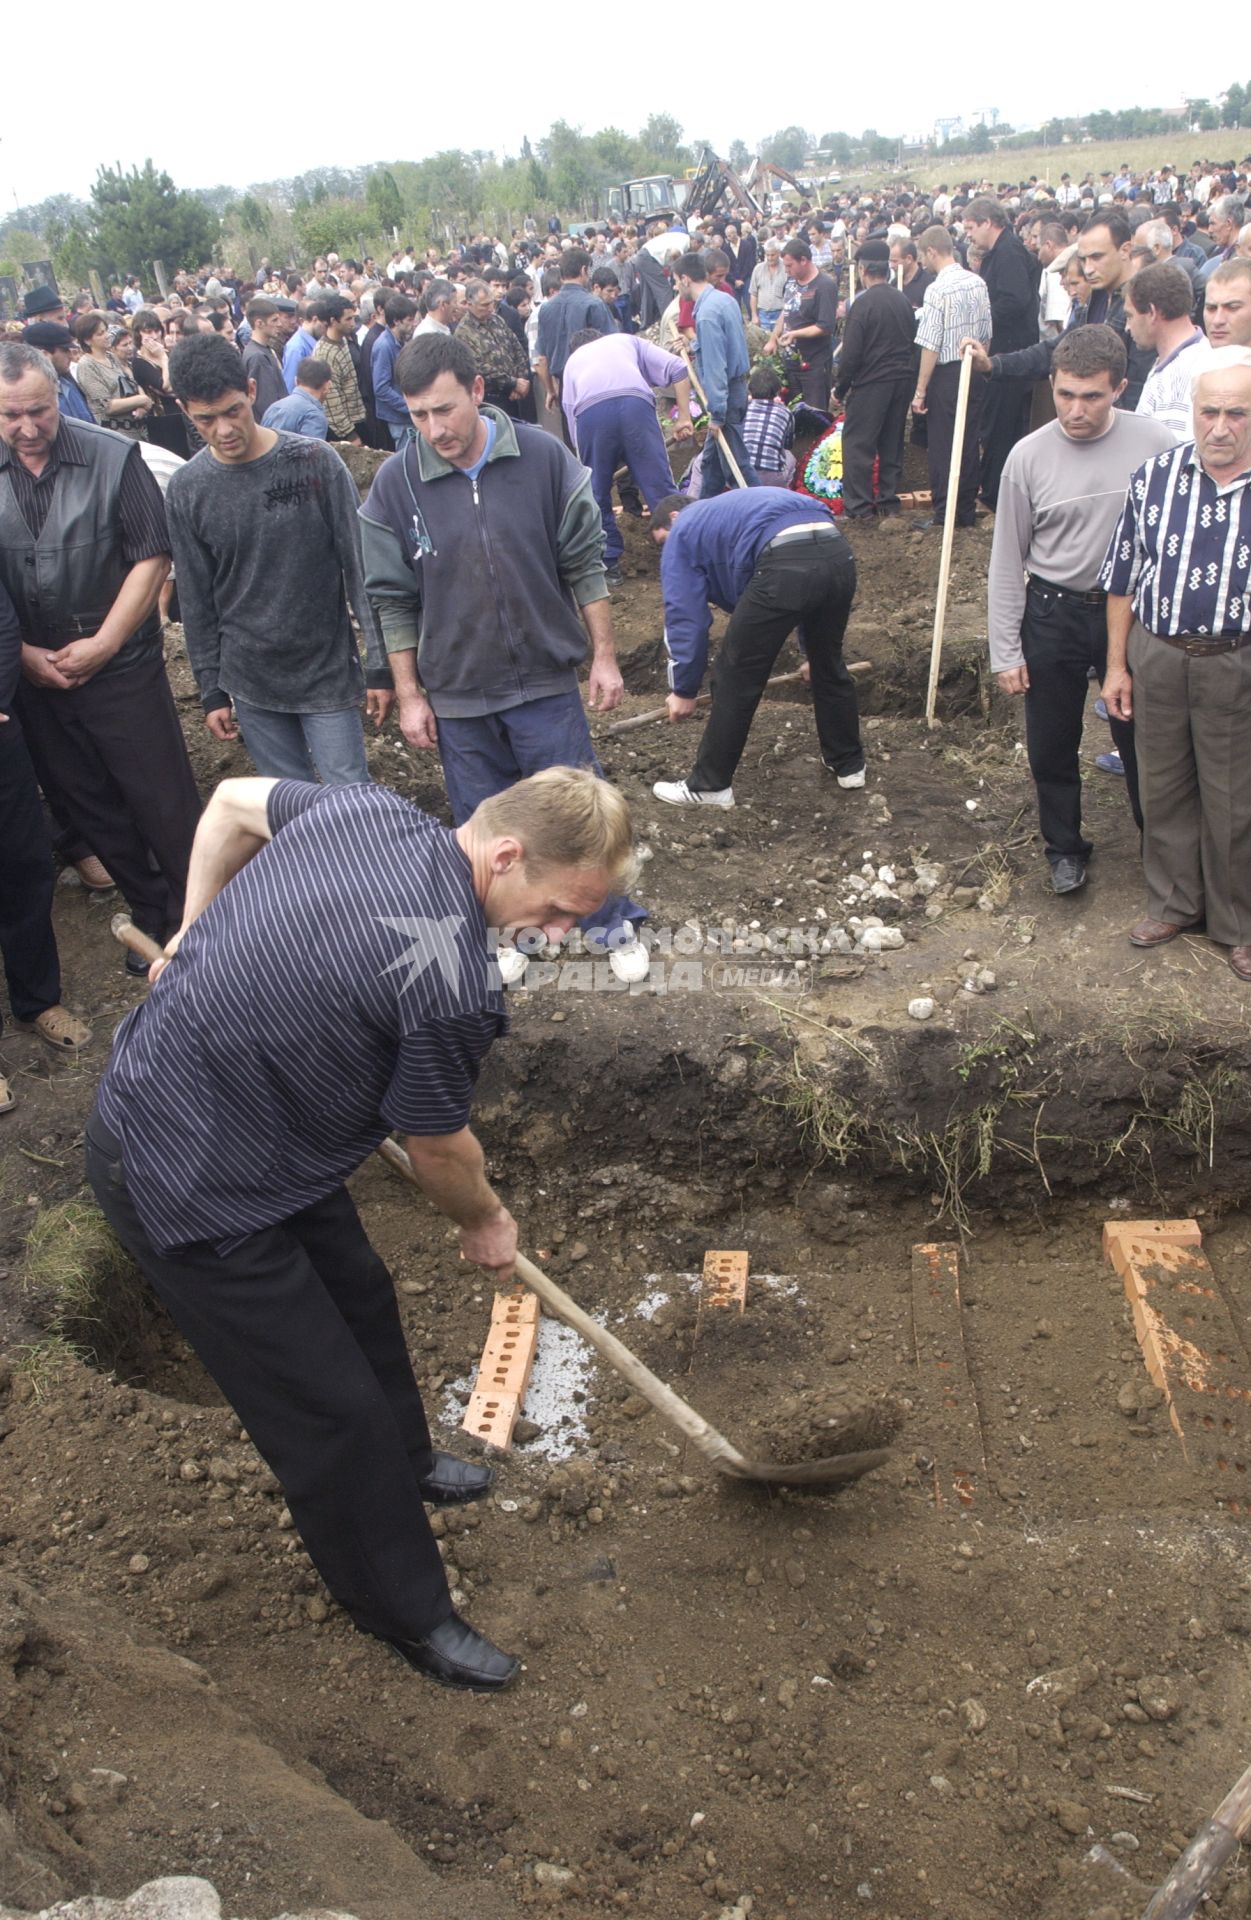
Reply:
x=87, y=1284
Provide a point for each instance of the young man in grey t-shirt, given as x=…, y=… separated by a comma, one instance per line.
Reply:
x=1060, y=497
x=266, y=541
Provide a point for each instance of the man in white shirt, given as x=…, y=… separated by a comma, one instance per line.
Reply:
x=1158, y=304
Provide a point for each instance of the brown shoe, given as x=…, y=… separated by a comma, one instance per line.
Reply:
x=94, y=875
x=61, y=1029
x=1240, y=961
x=1154, y=933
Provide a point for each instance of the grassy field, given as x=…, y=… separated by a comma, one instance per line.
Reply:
x=1181, y=149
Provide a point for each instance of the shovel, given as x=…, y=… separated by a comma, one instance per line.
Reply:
x=834, y=1470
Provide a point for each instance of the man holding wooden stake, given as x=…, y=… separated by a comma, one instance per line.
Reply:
x=956, y=307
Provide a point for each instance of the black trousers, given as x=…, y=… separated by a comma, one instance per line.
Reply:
x=1062, y=637
x=808, y=582
x=873, y=428
x=300, y=1330
x=27, y=877
x=940, y=399
x=114, y=749
x=1005, y=419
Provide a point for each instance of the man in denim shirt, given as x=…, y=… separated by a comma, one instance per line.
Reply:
x=722, y=357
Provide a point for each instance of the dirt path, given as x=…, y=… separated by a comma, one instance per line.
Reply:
x=1005, y=1676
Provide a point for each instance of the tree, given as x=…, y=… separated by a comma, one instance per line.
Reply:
x=1235, y=106
x=140, y=216
x=384, y=200
x=19, y=244
x=661, y=138
x=738, y=156
x=838, y=146
x=788, y=147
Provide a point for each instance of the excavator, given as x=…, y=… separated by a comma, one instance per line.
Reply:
x=713, y=183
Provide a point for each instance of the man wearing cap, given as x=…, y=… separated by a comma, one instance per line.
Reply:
x=876, y=379
x=55, y=340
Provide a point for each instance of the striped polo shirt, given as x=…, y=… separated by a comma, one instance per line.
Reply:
x=341, y=985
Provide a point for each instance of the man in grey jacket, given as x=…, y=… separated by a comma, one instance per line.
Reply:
x=484, y=559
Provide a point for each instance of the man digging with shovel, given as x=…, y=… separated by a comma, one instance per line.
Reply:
x=333, y=981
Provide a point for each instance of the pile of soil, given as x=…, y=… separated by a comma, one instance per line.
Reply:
x=1006, y=1673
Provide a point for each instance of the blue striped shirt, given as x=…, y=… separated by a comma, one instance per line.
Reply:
x=1182, y=548
x=338, y=987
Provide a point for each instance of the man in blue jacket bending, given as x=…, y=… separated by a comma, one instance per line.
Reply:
x=773, y=561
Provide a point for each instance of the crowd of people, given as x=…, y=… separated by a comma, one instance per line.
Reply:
x=319, y=932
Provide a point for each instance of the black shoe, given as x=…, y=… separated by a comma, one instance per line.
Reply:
x=450, y=1482
x=924, y=526
x=1068, y=873
x=614, y=577
x=137, y=965
x=457, y=1655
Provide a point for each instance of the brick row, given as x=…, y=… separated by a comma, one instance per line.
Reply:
x=958, y=1455
x=725, y=1280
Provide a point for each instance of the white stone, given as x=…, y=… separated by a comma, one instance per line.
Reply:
x=878, y=939
x=921, y=1008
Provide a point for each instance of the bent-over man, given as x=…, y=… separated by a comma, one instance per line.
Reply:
x=773, y=561
x=336, y=938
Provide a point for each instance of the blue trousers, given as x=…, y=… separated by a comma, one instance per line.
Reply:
x=485, y=755
x=299, y=746
x=624, y=429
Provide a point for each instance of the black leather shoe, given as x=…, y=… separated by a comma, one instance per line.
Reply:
x=137, y=965
x=457, y=1655
x=450, y=1482
x=1068, y=873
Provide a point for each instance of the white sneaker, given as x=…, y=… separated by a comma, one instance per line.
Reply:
x=631, y=963
x=847, y=779
x=676, y=793
x=512, y=964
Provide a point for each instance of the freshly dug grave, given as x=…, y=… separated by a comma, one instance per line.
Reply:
x=1020, y=1700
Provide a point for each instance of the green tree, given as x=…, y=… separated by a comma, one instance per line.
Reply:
x=738, y=156
x=787, y=146
x=661, y=139
x=1234, y=110
x=333, y=224
x=384, y=200
x=141, y=216
x=20, y=244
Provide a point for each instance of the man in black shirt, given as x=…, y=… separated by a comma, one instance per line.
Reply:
x=1011, y=276
x=876, y=373
x=808, y=324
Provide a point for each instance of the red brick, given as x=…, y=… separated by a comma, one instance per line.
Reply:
x=725, y=1280
x=1176, y=1233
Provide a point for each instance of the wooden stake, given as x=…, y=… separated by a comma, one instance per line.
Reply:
x=722, y=443
x=857, y=667
x=949, y=531
x=1216, y=1842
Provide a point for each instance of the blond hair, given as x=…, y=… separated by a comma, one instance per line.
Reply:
x=563, y=817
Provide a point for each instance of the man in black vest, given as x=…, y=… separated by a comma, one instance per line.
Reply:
x=84, y=552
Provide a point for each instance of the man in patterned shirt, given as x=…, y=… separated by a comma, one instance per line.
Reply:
x=1178, y=579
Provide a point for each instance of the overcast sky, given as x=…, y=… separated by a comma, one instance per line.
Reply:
x=282, y=115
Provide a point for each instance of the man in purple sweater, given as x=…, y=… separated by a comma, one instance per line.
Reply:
x=608, y=394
